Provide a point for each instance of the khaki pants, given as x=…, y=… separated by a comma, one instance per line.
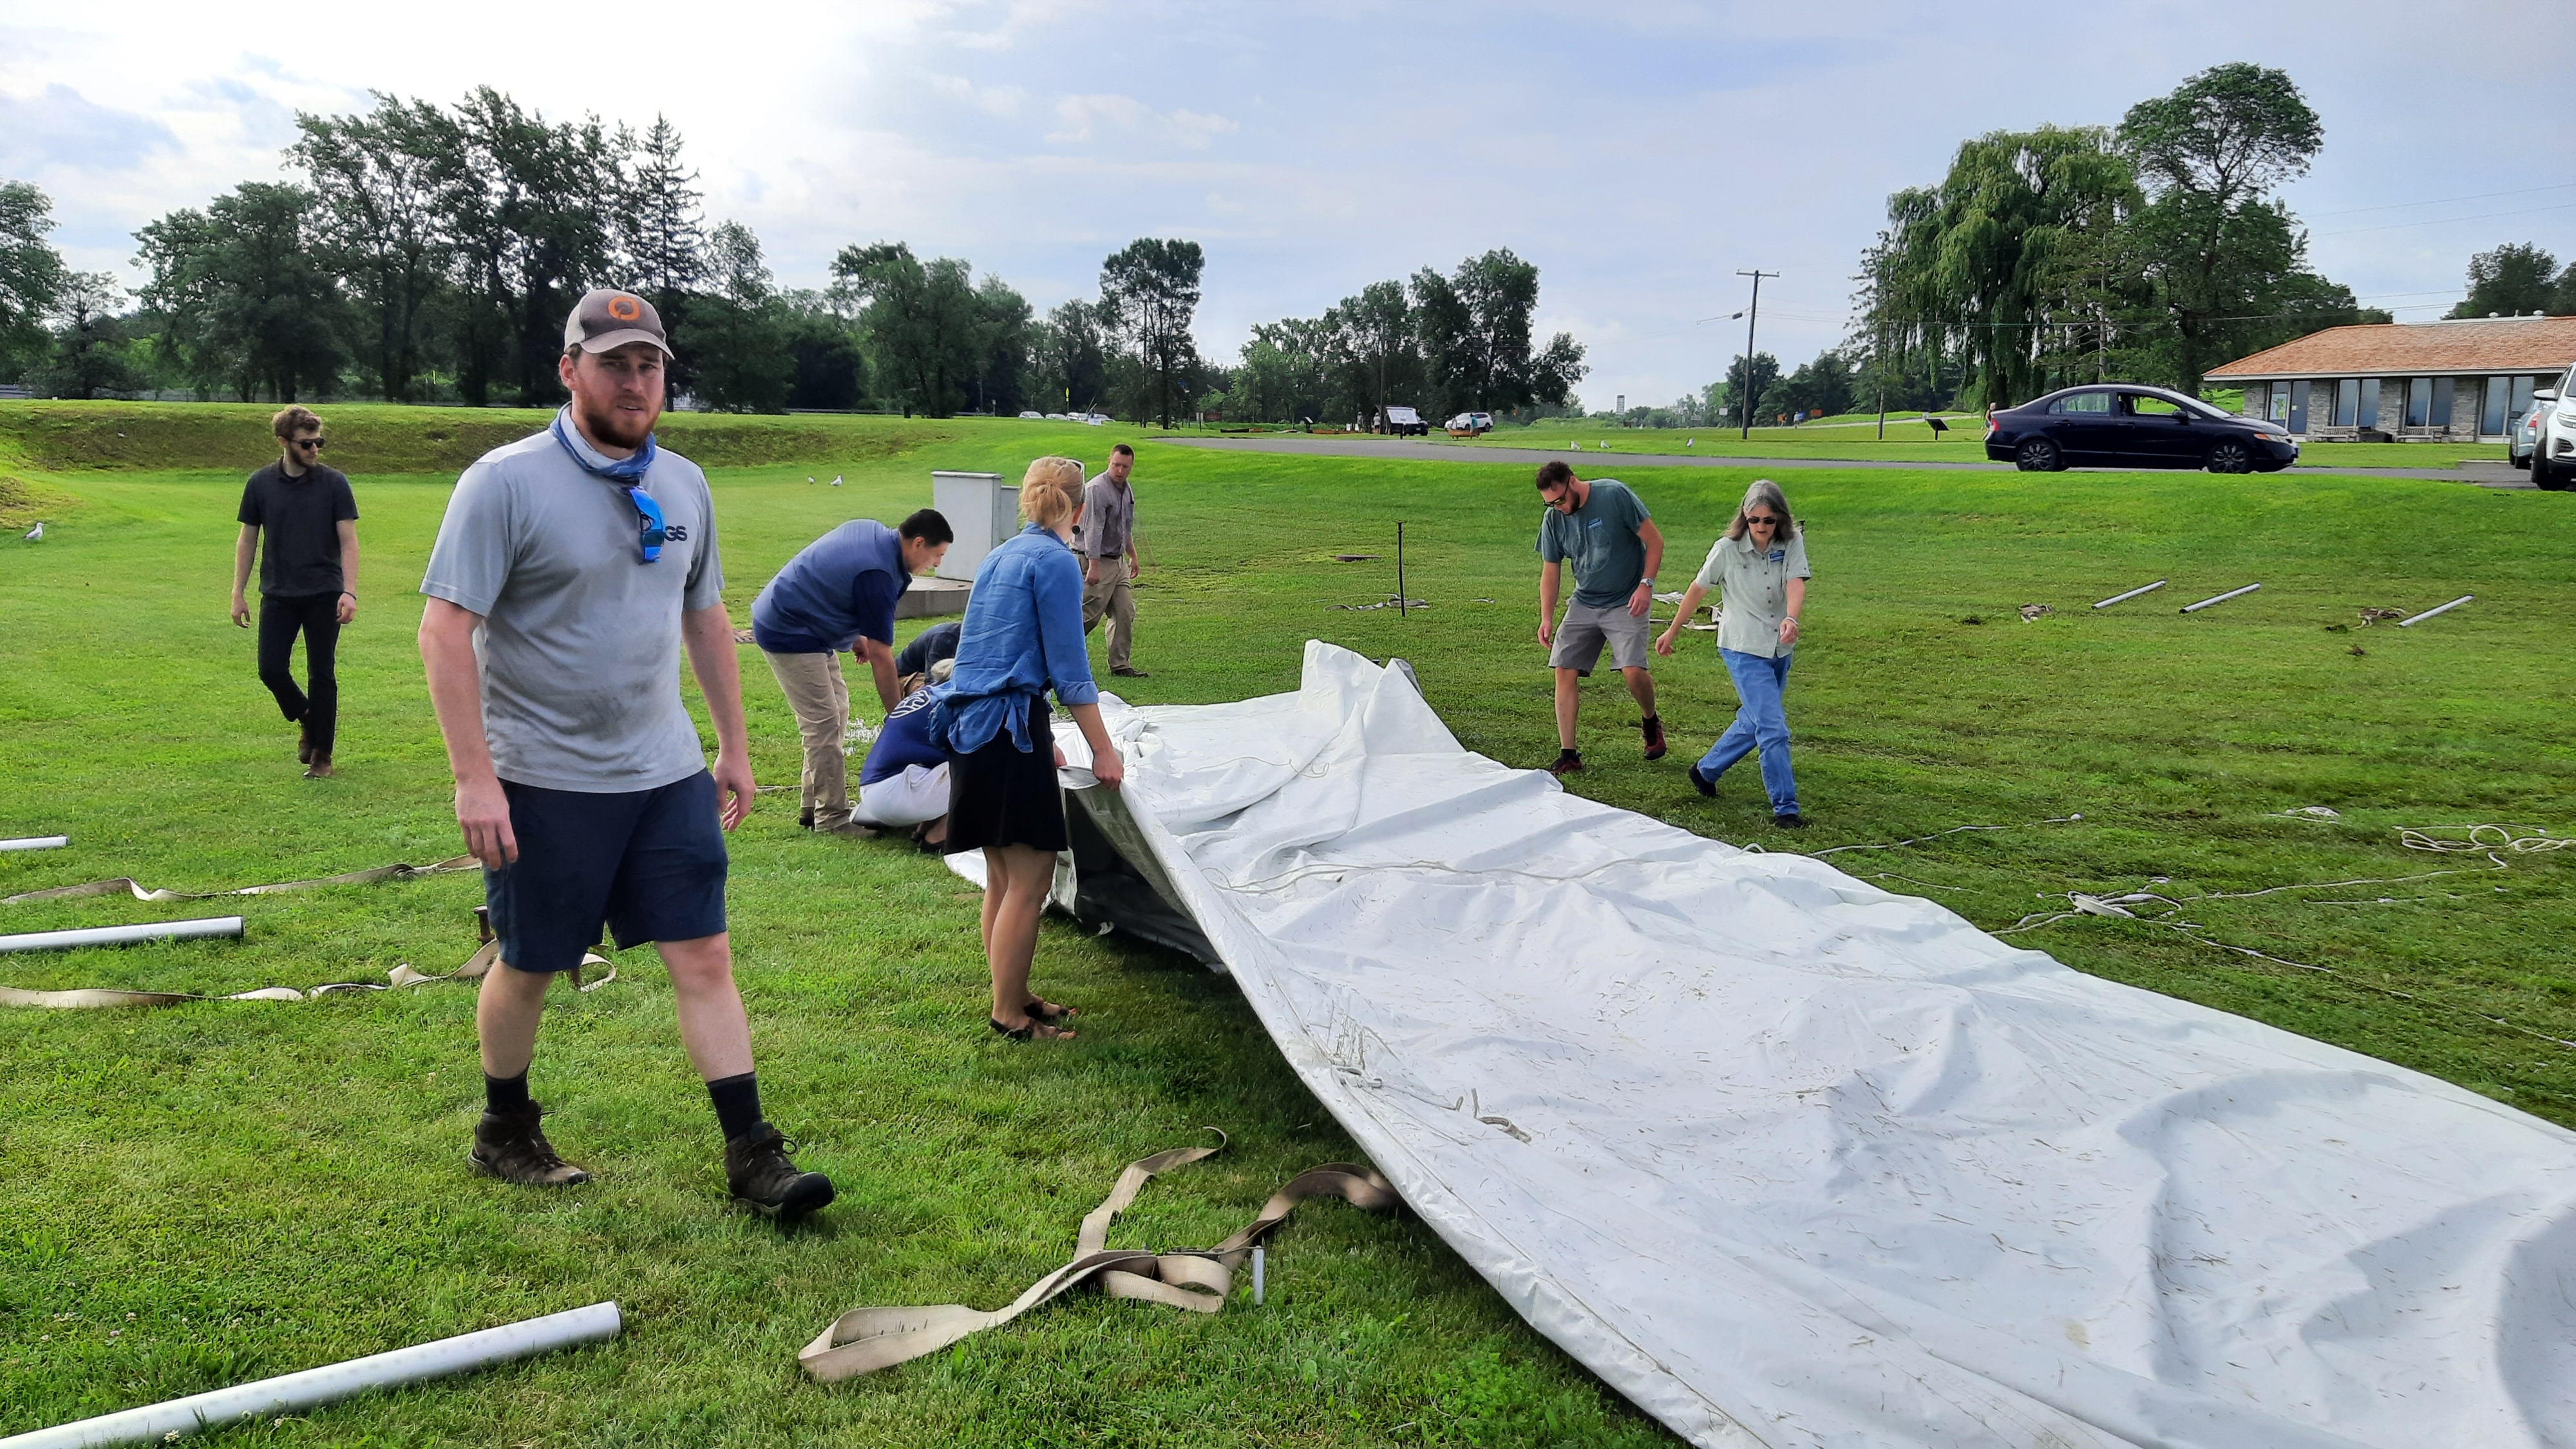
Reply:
x=821, y=701
x=1112, y=596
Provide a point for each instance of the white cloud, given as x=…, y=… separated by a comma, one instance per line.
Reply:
x=1639, y=153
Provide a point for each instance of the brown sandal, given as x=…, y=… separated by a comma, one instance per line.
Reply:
x=1032, y=1030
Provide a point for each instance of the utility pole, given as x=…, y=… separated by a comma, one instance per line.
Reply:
x=1744, y=405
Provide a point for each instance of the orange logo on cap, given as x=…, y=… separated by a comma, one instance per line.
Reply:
x=624, y=308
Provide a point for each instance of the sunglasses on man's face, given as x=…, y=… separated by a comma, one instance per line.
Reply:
x=650, y=533
x=312, y=442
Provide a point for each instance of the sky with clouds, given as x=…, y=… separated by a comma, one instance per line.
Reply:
x=1640, y=153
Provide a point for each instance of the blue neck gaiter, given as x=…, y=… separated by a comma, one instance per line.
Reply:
x=627, y=472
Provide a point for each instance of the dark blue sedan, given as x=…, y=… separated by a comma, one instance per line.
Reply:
x=2126, y=425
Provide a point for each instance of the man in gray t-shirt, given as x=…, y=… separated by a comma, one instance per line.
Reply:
x=1112, y=557
x=570, y=568
x=1605, y=532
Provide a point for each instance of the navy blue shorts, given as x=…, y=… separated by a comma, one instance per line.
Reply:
x=649, y=864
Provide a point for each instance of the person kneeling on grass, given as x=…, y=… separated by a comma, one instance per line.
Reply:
x=1760, y=570
x=905, y=779
x=1023, y=635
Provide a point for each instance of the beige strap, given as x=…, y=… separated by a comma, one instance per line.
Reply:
x=396, y=871
x=864, y=1340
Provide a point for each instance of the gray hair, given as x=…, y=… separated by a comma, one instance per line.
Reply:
x=1764, y=495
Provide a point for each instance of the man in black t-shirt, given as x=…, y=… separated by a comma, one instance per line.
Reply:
x=308, y=578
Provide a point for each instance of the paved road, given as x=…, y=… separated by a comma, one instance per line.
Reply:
x=2488, y=475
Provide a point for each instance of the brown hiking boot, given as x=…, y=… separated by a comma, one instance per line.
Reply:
x=304, y=742
x=1654, y=729
x=1567, y=763
x=765, y=1181
x=511, y=1147
x=319, y=769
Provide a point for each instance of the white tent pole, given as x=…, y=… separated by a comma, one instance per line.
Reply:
x=2219, y=599
x=122, y=935
x=292, y=1393
x=37, y=842
x=2131, y=594
x=2440, y=609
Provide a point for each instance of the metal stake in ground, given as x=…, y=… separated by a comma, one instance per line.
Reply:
x=1399, y=570
x=2219, y=598
x=37, y=842
x=2429, y=613
x=2131, y=594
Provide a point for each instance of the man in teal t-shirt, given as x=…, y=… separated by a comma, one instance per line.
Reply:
x=1616, y=548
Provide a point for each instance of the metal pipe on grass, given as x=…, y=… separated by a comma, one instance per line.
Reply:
x=1399, y=570
x=2429, y=613
x=292, y=1393
x=2131, y=594
x=122, y=935
x=37, y=842
x=2219, y=598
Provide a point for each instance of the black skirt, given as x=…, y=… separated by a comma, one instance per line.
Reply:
x=1004, y=795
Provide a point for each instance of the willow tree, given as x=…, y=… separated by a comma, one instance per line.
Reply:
x=2002, y=260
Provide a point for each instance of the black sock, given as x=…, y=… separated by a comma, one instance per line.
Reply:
x=505, y=1094
x=1568, y=752
x=737, y=1102
x=1650, y=719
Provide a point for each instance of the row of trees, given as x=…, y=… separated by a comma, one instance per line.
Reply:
x=2516, y=280
x=2151, y=251
x=421, y=252
x=1446, y=343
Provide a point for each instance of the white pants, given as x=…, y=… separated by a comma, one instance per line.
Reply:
x=920, y=793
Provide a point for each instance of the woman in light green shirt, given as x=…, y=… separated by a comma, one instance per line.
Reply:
x=1760, y=572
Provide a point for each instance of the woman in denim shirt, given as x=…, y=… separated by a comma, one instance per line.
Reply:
x=1022, y=636
x=1761, y=568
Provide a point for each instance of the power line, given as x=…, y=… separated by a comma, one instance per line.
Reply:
x=2441, y=220
x=2447, y=200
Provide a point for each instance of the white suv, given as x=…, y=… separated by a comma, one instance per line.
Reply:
x=2553, y=454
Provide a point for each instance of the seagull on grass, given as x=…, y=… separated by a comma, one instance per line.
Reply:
x=836, y=480
x=809, y=477
x=36, y=534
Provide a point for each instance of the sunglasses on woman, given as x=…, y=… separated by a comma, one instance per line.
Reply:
x=1762, y=518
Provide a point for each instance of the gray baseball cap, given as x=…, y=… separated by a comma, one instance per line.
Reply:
x=610, y=318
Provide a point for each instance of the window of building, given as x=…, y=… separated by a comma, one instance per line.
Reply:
x=2368, y=416
x=2347, y=402
x=2443, y=388
x=2522, y=389
x=2491, y=413
x=2419, y=401
x=2281, y=405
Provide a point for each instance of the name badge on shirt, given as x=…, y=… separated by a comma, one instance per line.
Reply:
x=1779, y=555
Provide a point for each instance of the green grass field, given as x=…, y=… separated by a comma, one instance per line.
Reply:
x=1910, y=441
x=206, y=1194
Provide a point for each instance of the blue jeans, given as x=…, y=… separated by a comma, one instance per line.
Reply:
x=1760, y=724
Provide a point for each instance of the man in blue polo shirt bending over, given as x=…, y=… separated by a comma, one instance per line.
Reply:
x=840, y=594
x=905, y=779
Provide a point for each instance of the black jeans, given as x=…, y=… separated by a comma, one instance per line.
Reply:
x=317, y=616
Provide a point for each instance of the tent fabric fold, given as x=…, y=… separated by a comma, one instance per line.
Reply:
x=1790, y=1160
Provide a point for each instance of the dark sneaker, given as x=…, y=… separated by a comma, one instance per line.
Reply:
x=1703, y=783
x=804, y=819
x=510, y=1146
x=1791, y=821
x=1654, y=729
x=1128, y=671
x=1567, y=765
x=764, y=1180
x=319, y=769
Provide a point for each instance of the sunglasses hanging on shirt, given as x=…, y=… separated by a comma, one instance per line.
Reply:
x=650, y=532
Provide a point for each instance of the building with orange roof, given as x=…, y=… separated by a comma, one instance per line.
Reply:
x=2428, y=381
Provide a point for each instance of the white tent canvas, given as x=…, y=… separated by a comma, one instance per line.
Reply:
x=1793, y=1161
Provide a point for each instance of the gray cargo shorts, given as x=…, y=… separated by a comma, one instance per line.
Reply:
x=1584, y=629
